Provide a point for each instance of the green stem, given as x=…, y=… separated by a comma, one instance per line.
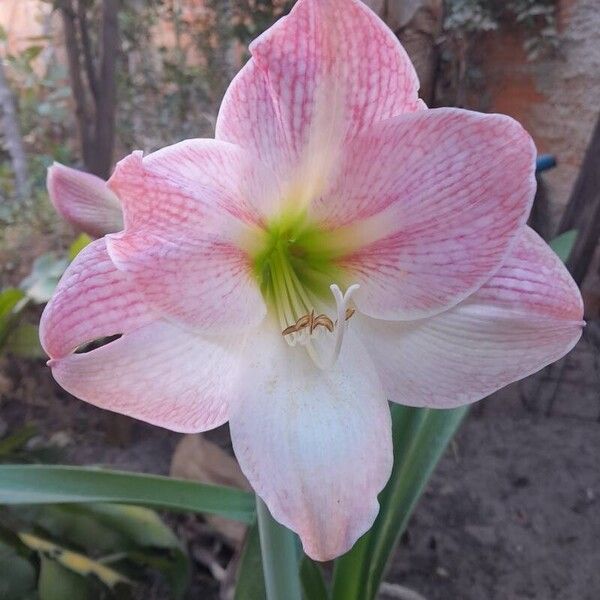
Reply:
x=280, y=556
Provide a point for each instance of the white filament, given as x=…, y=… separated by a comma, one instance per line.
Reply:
x=341, y=300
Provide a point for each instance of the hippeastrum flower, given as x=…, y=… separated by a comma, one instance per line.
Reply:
x=84, y=201
x=337, y=245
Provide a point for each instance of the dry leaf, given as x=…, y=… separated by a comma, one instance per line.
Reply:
x=198, y=459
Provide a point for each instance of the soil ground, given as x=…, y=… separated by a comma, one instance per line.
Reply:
x=512, y=512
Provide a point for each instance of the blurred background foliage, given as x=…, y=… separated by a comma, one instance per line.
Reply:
x=173, y=62
x=105, y=77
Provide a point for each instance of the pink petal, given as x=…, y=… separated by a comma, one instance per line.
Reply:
x=328, y=64
x=155, y=372
x=220, y=173
x=194, y=184
x=526, y=317
x=92, y=300
x=435, y=199
x=159, y=374
x=315, y=445
x=84, y=200
x=183, y=225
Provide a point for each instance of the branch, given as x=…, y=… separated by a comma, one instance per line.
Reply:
x=86, y=44
x=583, y=210
x=13, y=137
x=107, y=98
x=77, y=87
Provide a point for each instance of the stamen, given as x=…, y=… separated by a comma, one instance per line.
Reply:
x=339, y=327
x=311, y=322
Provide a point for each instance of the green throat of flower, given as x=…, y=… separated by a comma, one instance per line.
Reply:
x=295, y=264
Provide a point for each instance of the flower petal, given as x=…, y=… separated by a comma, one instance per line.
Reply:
x=436, y=200
x=84, y=200
x=315, y=445
x=526, y=317
x=183, y=226
x=195, y=185
x=155, y=371
x=328, y=70
x=92, y=300
x=218, y=172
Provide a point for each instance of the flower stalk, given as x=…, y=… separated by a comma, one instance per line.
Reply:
x=280, y=556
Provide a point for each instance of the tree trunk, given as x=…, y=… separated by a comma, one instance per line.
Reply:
x=583, y=210
x=417, y=24
x=12, y=135
x=78, y=90
x=106, y=103
x=95, y=96
x=223, y=62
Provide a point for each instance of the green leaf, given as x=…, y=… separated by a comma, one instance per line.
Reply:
x=58, y=583
x=32, y=52
x=9, y=299
x=563, y=244
x=73, y=561
x=40, y=284
x=280, y=556
x=420, y=438
x=17, y=575
x=250, y=583
x=16, y=440
x=12, y=302
x=175, y=568
x=50, y=484
x=144, y=536
x=24, y=341
x=127, y=535
x=313, y=584
x=78, y=245
x=75, y=526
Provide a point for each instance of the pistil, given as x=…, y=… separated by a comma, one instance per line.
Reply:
x=296, y=264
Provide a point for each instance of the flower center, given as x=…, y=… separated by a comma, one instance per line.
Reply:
x=295, y=263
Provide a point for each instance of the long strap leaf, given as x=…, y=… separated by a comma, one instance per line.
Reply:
x=50, y=484
x=420, y=438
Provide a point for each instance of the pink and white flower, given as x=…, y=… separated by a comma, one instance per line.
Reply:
x=337, y=245
x=84, y=201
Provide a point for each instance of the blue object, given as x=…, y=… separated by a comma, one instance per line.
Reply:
x=544, y=162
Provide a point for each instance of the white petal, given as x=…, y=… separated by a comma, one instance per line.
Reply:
x=526, y=317
x=315, y=445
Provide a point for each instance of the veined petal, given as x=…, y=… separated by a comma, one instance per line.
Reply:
x=187, y=209
x=203, y=283
x=160, y=374
x=525, y=317
x=92, y=300
x=155, y=371
x=433, y=202
x=195, y=185
x=84, y=200
x=315, y=445
x=328, y=70
x=219, y=173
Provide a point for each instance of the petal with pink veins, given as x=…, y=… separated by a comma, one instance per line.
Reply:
x=328, y=70
x=525, y=317
x=155, y=371
x=184, y=228
x=84, y=200
x=315, y=445
x=92, y=300
x=195, y=186
x=431, y=204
